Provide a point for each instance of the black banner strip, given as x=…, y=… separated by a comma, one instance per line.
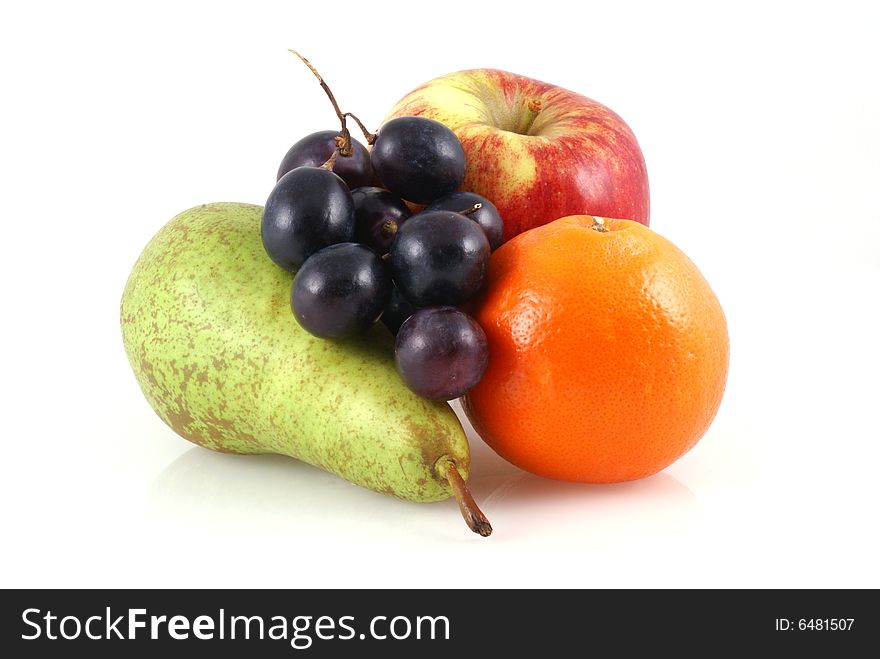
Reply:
x=410, y=623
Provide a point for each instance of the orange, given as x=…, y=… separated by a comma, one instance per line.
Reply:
x=608, y=352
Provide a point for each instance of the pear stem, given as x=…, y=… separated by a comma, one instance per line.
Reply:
x=472, y=209
x=473, y=516
x=345, y=149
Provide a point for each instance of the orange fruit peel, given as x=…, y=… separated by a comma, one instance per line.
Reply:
x=608, y=351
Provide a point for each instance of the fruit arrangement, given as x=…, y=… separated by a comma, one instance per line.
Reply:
x=475, y=224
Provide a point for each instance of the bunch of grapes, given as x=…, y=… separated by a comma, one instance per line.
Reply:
x=338, y=217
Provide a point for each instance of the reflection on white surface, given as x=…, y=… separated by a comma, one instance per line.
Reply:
x=205, y=490
x=658, y=504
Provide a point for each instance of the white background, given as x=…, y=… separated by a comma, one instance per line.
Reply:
x=760, y=125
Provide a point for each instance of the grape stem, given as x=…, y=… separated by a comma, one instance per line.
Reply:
x=332, y=159
x=472, y=209
x=370, y=137
x=389, y=228
x=473, y=516
x=345, y=147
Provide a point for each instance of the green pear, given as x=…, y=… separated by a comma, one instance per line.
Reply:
x=208, y=330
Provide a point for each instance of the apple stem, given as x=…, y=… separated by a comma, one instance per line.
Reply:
x=473, y=516
x=345, y=148
x=472, y=209
x=370, y=137
x=534, y=108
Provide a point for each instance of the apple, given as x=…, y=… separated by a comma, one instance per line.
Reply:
x=537, y=151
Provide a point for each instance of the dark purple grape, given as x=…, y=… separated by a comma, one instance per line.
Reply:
x=309, y=208
x=315, y=149
x=340, y=291
x=378, y=214
x=439, y=257
x=397, y=311
x=487, y=216
x=418, y=158
x=441, y=353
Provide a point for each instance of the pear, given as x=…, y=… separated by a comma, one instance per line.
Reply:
x=208, y=329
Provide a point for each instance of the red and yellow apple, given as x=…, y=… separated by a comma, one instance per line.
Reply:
x=537, y=151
